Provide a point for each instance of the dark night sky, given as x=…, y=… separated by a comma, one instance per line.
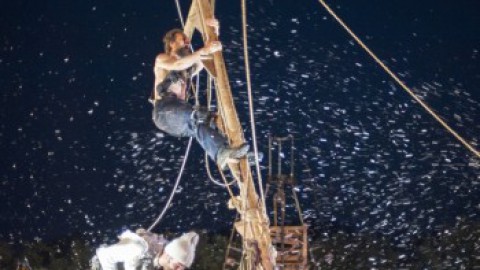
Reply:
x=80, y=154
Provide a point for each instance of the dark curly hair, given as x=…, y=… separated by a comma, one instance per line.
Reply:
x=170, y=37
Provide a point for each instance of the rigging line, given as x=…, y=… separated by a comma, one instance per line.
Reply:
x=210, y=176
x=179, y=11
x=244, y=215
x=182, y=21
x=197, y=89
x=405, y=87
x=179, y=176
x=226, y=185
x=207, y=163
x=250, y=102
x=209, y=101
x=209, y=91
x=230, y=243
x=297, y=205
x=187, y=151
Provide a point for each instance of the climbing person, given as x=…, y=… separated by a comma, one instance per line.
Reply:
x=145, y=250
x=172, y=113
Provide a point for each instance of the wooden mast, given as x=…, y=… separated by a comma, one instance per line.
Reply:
x=253, y=216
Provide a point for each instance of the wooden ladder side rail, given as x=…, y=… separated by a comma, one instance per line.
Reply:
x=259, y=228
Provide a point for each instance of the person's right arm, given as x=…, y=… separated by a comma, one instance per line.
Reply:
x=167, y=62
x=164, y=61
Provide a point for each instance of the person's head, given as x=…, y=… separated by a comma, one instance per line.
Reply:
x=180, y=252
x=174, y=40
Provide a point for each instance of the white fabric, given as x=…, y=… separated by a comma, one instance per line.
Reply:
x=182, y=249
x=129, y=251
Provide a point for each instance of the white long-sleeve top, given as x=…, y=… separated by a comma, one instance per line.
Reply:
x=129, y=250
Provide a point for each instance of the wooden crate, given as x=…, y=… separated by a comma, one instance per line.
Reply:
x=293, y=253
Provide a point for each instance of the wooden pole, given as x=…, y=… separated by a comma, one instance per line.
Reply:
x=253, y=216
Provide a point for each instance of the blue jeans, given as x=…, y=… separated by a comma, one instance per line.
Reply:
x=175, y=117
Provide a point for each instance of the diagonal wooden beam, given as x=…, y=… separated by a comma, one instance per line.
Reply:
x=253, y=216
x=195, y=22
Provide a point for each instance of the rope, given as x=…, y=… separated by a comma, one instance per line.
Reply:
x=209, y=91
x=254, y=137
x=207, y=163
x=244, y=215
x=405, y=87
x=184, y=162
x=197, y=103
x=226, y=184
x=250, y=102
x=197, y=99
x=179, y=176
x=210, y=176
x=209, y=101
x=297, y=205
x=179, y=11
